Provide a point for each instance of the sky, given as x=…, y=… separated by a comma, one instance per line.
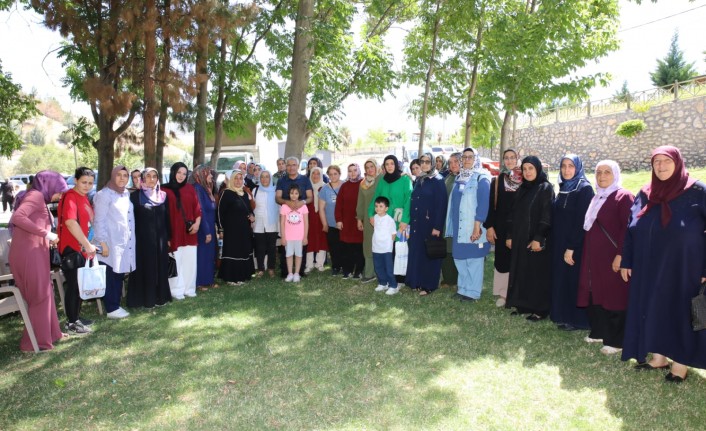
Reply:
x=27, y=51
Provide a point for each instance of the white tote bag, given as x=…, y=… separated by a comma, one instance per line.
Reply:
x=401, y=255
x=91, y=280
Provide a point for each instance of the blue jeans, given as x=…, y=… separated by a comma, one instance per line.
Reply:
x=384, y=268
x=113, y=289
x=470, y=276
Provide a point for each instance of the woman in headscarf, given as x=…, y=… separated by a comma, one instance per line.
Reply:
x=601, y=289
x=352, y=259
x=148, y=285
x=76, y=232
x=528, y=227
x=503, y=189
x=441, y=165
x=31, y=225
x=315, y=162
x=266, y=228
x=449, y=271
x=327, y=211
x=207, y=235
x=317, y=246
x=467, y=209
x=234, y=218
x=416, y=170
x=427, y=219
x=664, y=256
x=365, y=198
x=568, y=214
x=185, y=222
x=115, y=229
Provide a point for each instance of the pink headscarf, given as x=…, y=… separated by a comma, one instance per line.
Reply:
x=112, y=185
x=602, y=194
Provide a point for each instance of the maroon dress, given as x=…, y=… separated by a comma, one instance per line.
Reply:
x=607, y=288
x=317, y=237
x=29, y=263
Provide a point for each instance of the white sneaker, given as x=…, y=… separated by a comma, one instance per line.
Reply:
x=500, y=302
x=320, y=268
x=380, y=288
x=392, y=291
x=289, y=278
x=190, y=295
x=593, y=340
x=120, y=313
x=610, y=350
x=308, y=270
x=178, y=298
x=296, y=278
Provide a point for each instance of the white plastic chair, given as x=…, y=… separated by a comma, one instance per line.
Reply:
x=16, y=302
x=57, y=277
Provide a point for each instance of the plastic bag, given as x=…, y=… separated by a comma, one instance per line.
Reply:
x=401, y=255
x=91, y=280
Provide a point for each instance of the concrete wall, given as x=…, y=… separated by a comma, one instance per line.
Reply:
x=681, y=123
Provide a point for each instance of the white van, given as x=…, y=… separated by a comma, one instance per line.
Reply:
x=22, y=177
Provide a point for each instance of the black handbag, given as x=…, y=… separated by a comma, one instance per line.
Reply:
x=172, y=267
x=435, y=247
x=54, y=255
x=71, y=260
x=698, y=310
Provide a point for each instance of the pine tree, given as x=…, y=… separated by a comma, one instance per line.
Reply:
x=623, y=95
x=672, y=67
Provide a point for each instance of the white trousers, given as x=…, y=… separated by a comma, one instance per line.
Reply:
x=184, y=284
x=320, y=258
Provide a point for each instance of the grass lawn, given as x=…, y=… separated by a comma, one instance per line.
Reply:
x=332, y=354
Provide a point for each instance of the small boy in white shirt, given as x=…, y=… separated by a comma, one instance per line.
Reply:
x=384, y=232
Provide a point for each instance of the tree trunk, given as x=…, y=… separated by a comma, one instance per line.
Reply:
x=219, y=111
x=427, y=83
x=505, y=131
x=468, y=131
x=105, y=146
x=149, y=114
x=202, y=97
x=301, y=60
x=164, y=82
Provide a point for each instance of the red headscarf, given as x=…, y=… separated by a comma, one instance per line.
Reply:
x=660, y=192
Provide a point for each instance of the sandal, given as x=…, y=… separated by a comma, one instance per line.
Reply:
x=423, y=293
x=259, y=274
x=203, y=288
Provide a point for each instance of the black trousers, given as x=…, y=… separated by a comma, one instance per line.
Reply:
x=334, y=247
x=352, y=259
x=606, y=325
x=266, y=245
x=72, y=300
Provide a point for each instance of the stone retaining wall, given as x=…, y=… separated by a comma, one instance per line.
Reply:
x=681, y=123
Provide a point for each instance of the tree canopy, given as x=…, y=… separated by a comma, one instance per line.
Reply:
x=15, y=108
x=673, y=67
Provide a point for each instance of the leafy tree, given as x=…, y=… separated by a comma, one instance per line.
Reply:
x=15, y=108
x=36, y=158
x=672, y=68
x=623, y=95
x=376, y=138
x=37, y=136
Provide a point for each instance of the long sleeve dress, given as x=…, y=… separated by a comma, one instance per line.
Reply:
x=365, y=197
x=148, y=285
x=206, y=252
x=29, y=264
x=599, y=286
x=530, y=272
x=237, y=257
x=427, y=212
x=568, y=214
x=667, y=266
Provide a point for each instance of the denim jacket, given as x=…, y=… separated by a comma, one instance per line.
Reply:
x=467, y=214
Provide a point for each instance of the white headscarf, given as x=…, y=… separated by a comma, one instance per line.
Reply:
x=602, y=193
x=317, y=186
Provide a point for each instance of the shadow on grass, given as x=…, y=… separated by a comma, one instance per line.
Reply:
x=332, y=354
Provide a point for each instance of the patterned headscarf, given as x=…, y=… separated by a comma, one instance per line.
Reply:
x=568, y=185
x=200, y=177
x=152, y=196
x=360, y=173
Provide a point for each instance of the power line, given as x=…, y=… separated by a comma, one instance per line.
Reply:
x=661, y=19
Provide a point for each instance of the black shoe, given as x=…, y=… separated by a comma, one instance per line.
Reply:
x=674, y=378
x=346, y=276
x=567, y=327
x=335, y=272
x=535, y=317
x=85, y=322
x=515, y=313
x=465, y=298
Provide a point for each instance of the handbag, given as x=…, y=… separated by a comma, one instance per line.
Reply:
x=401, y=257
x=698, y=310
x=54, y=255
x=187, y=223
x=435, y=247
x=71, y=260
x=172, y=267
x=91, y=280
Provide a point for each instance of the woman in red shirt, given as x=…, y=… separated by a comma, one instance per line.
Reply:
x=346, y=222
x=75, y=231
x=184, y=218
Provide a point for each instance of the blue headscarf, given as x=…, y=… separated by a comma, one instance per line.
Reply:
x=572, y=184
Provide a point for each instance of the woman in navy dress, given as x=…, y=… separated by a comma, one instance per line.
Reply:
x=427, y=219
x=208, y=239
x=664, y=257
x=568, y=213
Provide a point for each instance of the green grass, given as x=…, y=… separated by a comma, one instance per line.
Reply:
x=331, y=354
x=633, y=181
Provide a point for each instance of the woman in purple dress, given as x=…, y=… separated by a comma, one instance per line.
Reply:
x=601, y=289
x=664, y=257
x=31, y=235
x=207, y=236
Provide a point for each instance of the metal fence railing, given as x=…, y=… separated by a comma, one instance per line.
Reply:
x=637, y=101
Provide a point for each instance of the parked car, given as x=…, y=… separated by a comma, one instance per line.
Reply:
x=438, y=151
x=491, y=166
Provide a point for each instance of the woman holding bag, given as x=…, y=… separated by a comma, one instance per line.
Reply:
x=31, y=235
x=75, y=229
x=115, y=228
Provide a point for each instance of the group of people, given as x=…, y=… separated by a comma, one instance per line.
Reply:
x=623, y=267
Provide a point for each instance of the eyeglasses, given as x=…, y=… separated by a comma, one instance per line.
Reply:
x=428, y=162
x=468, y=157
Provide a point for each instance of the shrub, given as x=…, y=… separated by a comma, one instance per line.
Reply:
x=630, y=128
